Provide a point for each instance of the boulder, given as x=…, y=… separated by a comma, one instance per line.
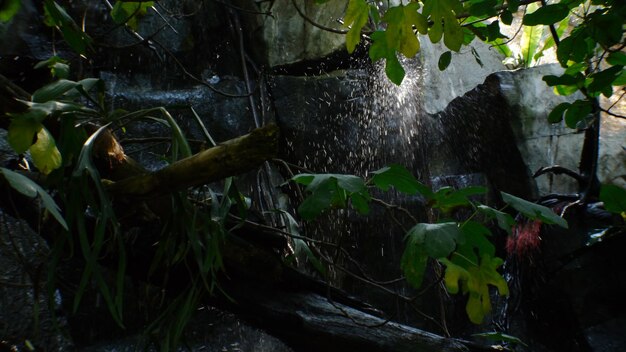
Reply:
x=286, y=37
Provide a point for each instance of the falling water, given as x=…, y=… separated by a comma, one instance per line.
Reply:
x=354, y=122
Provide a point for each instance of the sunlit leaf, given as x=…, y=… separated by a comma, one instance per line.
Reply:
x=443, y=13
x=476, y=280
x=400, y=21
x=356, y=17
x=22, y=134
x=44, y=152
x=533, y=211
x=380, y=49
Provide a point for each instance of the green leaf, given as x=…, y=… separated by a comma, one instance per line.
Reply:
x=444, y=60
x=475, y=236
x=617, y=58
x=400, y=20
x=606, y=27
x=454, y=275
x=53, y=90
x=56, y=16
x=577, y=113
x=30, y=189
x=327, y=190
x=483, y=8
x=8, y=9
x=546, y=15
x=556, y=115
x=22, y=134
x=414, y=260
x=46, y=156
x=549, y=43
x=440, y=239
x=446, y=198
x=603, y=79
x=475, y=280
x=401, y=179
x=128, y=12
x=505, y=221
x=380, y=49
x=533, y=211
x=506, y=17
x=356, y=17
x=531, y=37
x=614, y=198
x=443, y=16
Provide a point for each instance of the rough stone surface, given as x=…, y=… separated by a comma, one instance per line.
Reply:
x=22, y=289
x=289, y=38
x=544, y=144
x=210, y=330
x=467, y=69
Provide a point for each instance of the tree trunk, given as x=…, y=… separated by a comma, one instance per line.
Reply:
x=230, y=158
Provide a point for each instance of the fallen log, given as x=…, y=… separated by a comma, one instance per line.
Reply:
x=229, y=158
x=311, y=322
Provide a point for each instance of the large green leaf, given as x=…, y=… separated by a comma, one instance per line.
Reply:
x=614, y=198
x=380, y=49
x=129, y=11
x=328, y=190
x=533, y=211
x=22, y=133
x=475, y=280
x=447, y=198
x=414, y=260
x=46, y=156
x=439, y=240
x=401, y=179
x=400, y=21
x=546, y=15
x=356, y=17
x=531, y=37
x=443, y=13
x=56, y=16
x=505, y=221
x=30, y=189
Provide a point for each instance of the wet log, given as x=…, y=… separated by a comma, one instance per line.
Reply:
x=311, y=322
x=230, y=158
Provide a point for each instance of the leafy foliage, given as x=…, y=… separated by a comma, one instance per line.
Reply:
x=590, y=51
x=471, y=265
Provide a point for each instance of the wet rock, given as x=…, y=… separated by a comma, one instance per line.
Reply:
x=25, y=313
x=540, y=142
x=543, y=144
x=286, y=37
x=467, y=69
x=211, y=330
